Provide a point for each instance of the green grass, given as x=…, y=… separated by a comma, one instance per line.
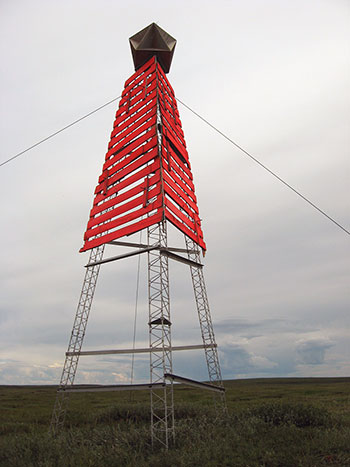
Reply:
x=271, y=422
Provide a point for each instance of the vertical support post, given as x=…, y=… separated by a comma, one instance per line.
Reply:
x=205, y=322
x=162, y=400
x=76, y=339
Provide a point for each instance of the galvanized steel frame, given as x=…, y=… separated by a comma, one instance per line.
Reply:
x=205, y=322
x=162, y=400
x=76, y=339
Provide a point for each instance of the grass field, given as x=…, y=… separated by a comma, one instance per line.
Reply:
x=271, y=422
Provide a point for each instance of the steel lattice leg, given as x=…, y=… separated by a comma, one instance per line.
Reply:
x=206, y=325
x=76, y=339
x=162, y=401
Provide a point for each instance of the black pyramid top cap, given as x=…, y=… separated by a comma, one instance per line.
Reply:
x=151, y=41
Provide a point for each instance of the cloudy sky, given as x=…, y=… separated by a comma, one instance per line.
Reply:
x=274, y=76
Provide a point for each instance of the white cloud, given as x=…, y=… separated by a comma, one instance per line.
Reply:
x=271, y=75
x=121, y=378
x=313, y=352
x=56, y=365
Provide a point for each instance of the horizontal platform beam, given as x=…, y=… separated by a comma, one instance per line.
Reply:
x=126, y=255
x=163, y=251
x=109, y=388
x=138, y=387
x=180, y=259
x=191, y=382
x=142, y=350
x=143, y=245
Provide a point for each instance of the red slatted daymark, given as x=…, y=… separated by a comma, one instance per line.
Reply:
x=132, y=171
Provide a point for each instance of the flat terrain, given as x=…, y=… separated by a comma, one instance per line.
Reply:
x=271, y=422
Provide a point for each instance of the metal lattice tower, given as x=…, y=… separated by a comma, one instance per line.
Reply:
x=205, y=322
x=77, y=337
x=162, y=400
x=146, y=183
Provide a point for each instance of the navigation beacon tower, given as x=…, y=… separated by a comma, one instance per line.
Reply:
x=146, y=183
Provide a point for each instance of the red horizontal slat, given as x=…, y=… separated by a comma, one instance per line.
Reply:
x=110, y=156
x=169, y=132
x=138, y=108
x=184, y=229
x=134, y=134
x=123, y=219
x=180, y=193
x=188, y=190
x=180, y=202
x=179, y=162
x=122, y=174
x=165, y=80
x=142, y=107
x=175, y=210
x=128, y=230
x=139, y=79
x=137, y=86
x=124, y=196
x=139, y=71
x=128, y=181
x=184, y=178
x=150, y=146
x=172, y=115
x=123, y=158
x=139, y=162
x=127, y=103
x=118, y=210
x=171, y=102
x=122, y=138
x=168, y=118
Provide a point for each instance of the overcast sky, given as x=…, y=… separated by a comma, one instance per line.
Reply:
x=274, y=76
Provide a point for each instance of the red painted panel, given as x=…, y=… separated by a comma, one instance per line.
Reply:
x=123, y=183
x=170, y=111
x=176, y=211
x=139, y=79
x=137, y=86
x=133, y=145
x=135, y=121
x=141, y=152
x=177, y=164
x=121, y=159
x=141, y=161
x=142, y=224
x=147, y=151
x=169, y=132
x=123, y=208
x=123, y=219
x=180, y=201
x=124, y=196
x=133, y=135
x=132, y=165
x=165, y=79
x=142, y=107
x=184, y=229
x=139, y=72
x=134, y=97
x=128, y=181
x=170, y=124
x=121, y=117
x=180, y=193
x=179, y=186
x=146, y=121
x=177, y=168
x=173, y=154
